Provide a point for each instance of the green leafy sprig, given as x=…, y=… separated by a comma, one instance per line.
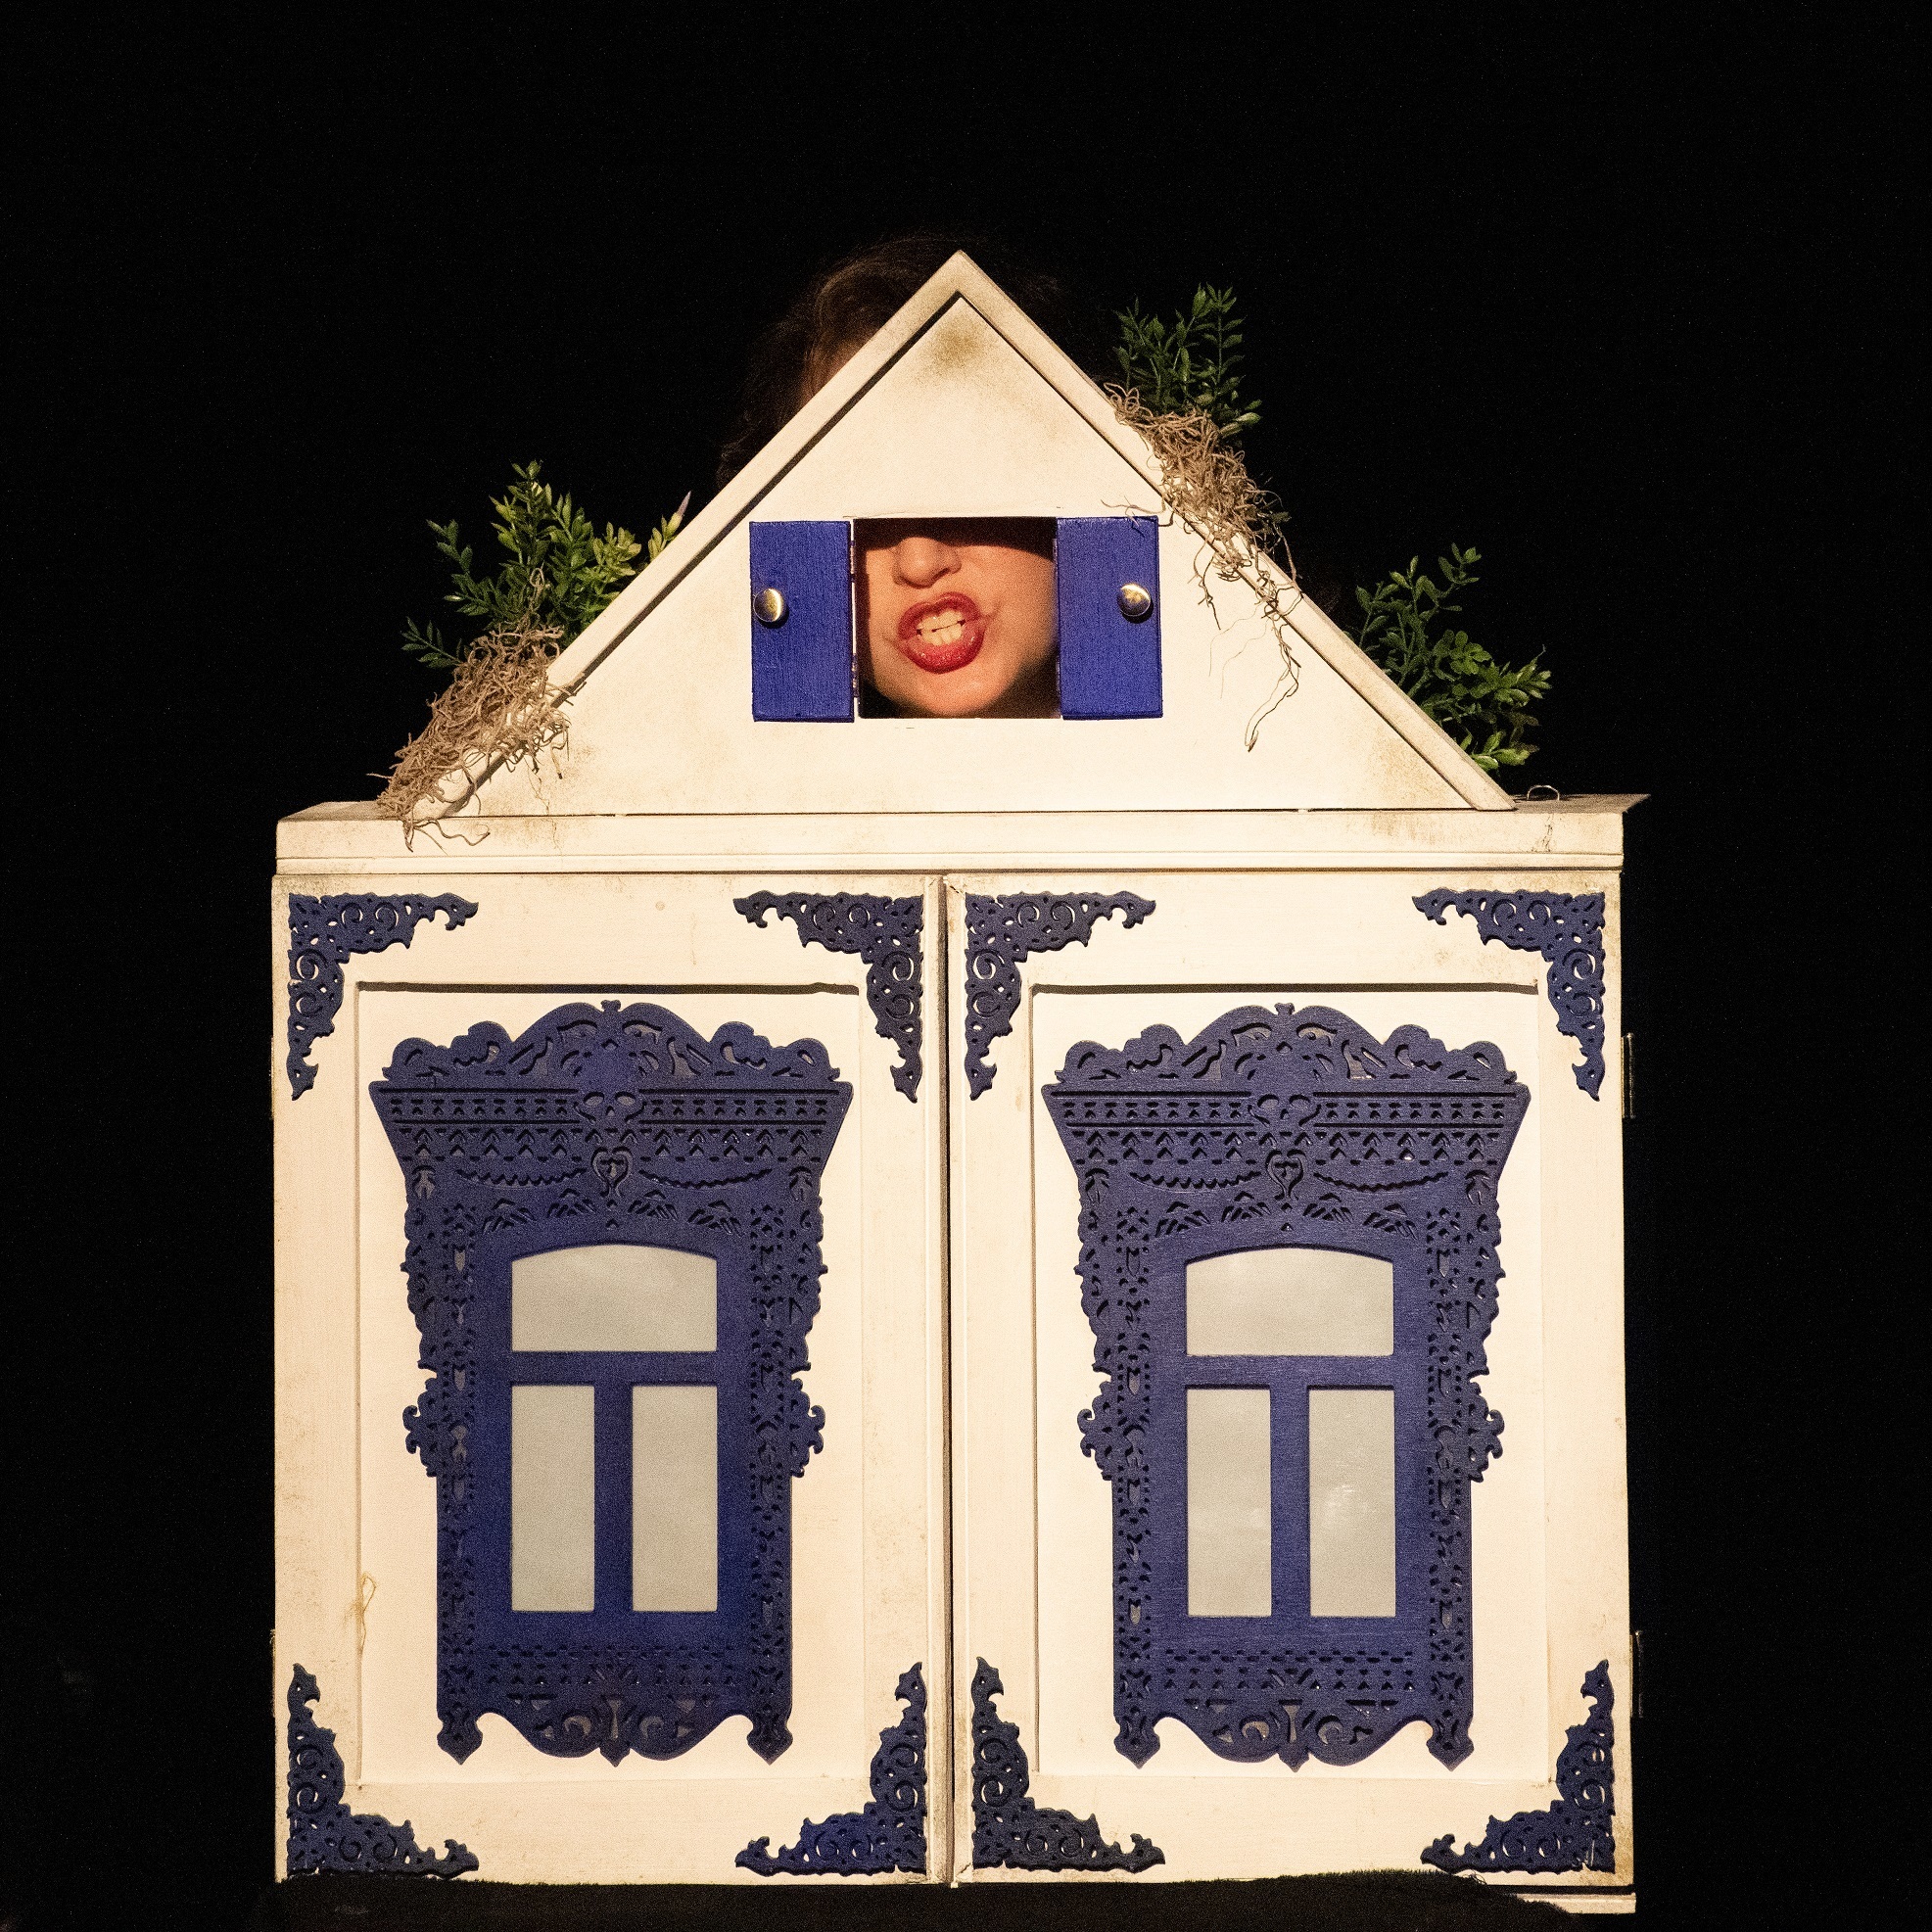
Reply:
x=1189, y=363
x=1483, y=704
x=560, y=572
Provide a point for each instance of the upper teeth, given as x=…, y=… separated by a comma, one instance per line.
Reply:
x=943, y=627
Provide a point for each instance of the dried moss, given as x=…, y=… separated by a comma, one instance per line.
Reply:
x=499, y=708
x=1206, y=485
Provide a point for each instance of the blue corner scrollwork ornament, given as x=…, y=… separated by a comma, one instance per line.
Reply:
x=886, y=934
x=1007, y=1827
x=1001, y=933
x=1567, y=930
x=324, y=1834
x=322, y=934
x=1578, y=1832
x=889, y=1834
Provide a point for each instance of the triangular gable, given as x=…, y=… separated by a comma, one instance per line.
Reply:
x=962, y=406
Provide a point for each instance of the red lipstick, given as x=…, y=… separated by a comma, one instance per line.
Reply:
x=942, y=634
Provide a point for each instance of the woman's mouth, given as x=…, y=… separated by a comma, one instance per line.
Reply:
x=943, y=634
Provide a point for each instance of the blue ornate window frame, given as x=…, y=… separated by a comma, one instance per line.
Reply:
x=1287, y=1128
x=596, y=1125
x=613, y=1625
x=1287, y=1379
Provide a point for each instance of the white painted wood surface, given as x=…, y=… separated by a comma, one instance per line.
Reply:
x=1030, y=1515
x=1534, y=838
x=952, y=1514
x=1550, y=1580
x=959, y=407
x=868, y=1577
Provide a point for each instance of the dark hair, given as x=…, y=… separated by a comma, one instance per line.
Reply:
x=843, y=306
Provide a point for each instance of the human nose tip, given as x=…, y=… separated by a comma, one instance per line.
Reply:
x=921, y=561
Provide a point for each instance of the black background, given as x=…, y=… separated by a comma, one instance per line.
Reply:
x=1622, y=305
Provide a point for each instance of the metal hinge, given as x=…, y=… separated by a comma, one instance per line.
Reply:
x=1629, y=1077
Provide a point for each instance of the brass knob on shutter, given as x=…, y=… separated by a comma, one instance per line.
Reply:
x=769, y=605
x=1134, y=602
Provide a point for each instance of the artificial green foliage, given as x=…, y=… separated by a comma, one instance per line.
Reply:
x=560, y=572
x=1483, y=704
x=1189, y=363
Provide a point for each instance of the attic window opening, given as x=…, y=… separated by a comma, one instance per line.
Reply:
x=955, y=617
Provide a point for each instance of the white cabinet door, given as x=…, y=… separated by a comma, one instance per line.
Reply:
x=610, y=1397
x=1254, y=1238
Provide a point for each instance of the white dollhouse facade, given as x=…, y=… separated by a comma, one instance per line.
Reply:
x=935, y=1300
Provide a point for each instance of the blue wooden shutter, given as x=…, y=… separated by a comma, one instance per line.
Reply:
x=801, y=667
x=1109, y=663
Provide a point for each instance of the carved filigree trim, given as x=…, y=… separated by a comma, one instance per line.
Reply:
x=889, y=1834
x=1007, y=1827
x=1567, y=930
x=1290, y=1128
x=1577, y=1833
x=613, y=1124
x=1002, y=932
x=322, y=934
x=886, y=934
x=324, y=1834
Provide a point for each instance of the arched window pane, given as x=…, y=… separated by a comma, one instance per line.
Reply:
x=614, y=1297
x=1290, y=1302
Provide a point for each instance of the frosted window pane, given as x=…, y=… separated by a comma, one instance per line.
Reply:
x=614, y=1297
x=1229, y=1549
x=1290, y=1302
x=673, y=1498
x=553, y=1498
x=1352, y=1502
